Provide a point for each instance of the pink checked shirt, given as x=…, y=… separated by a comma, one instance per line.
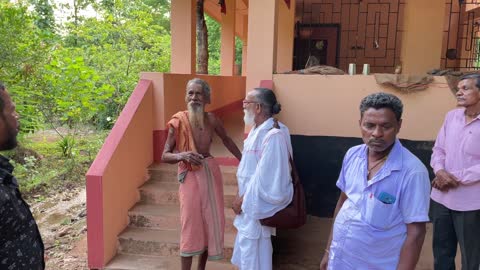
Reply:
x=457, y=150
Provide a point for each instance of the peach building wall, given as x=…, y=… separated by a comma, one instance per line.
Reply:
x=322, y=105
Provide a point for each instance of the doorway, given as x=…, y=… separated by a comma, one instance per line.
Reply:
x=318, y=40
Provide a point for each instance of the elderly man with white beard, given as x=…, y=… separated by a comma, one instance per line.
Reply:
x=264, y=180
x=188, y=143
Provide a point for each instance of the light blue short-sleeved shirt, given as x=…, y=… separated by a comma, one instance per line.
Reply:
x=370, y=228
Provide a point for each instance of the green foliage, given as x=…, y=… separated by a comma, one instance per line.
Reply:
x=214, y=46
x=44, y=18
x=23, y=52
x=79, y=71
x=67, y=145
x=128, y=40
x=214, y=39
x=52, y=170
x=84, y=70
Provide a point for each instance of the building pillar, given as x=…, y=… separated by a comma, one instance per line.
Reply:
x=422, y=36
x=285, y=36
x=261, y=41
x=183, y=45
x=227, y=50
x=244, y=58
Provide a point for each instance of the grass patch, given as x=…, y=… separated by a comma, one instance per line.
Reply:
x=42, y=165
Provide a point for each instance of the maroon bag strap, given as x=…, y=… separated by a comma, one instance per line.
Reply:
x=293, y=173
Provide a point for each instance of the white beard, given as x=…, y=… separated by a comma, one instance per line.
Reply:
x=248, y=118
x=196, y=116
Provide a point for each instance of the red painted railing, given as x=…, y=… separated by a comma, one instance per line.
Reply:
x=122, y=161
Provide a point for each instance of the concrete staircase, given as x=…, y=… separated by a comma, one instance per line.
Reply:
x=151, y=241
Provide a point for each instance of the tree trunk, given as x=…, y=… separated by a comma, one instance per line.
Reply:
x=202, y=40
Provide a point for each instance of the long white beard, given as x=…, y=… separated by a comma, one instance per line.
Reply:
x=196, y=116
x=248, y=118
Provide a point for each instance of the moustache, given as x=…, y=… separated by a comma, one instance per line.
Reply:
x=375, y=141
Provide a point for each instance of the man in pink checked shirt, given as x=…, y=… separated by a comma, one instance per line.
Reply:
x=455, y=195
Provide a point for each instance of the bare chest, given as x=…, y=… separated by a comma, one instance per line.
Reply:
x=203, y=138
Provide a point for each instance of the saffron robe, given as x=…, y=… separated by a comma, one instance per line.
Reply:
x=201, y=198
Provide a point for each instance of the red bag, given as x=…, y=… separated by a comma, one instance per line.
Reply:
x=295, y=214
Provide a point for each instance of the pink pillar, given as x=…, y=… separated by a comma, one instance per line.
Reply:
x=244, y=58
x=262, y=36
x=227, y=52
x=285, y=36
x=182, y=25
x=245, y=44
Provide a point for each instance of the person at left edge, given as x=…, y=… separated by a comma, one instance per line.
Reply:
x=21, y=246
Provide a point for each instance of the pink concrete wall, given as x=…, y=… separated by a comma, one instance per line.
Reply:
x=323, y=105
x=118, y=170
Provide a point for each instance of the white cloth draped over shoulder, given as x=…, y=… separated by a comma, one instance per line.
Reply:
x=264, y=178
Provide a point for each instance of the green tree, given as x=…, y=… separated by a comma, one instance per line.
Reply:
x=45, y=18
x=23, y=52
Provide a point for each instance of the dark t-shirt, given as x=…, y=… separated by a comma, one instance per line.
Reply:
x=21, y=245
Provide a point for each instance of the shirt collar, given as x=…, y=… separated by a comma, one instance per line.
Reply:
x=267, y=124
x=464, y=116
x=394, y=160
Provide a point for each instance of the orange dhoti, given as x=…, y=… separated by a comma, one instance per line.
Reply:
x=201, y=211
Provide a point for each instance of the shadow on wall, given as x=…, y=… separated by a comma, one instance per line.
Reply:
x=319, y=160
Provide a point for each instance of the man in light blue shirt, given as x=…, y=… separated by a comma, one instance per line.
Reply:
x=383, y=207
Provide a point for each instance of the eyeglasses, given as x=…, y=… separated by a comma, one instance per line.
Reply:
x=245, y=102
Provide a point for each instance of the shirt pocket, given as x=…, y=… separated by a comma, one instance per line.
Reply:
x=472, y=143
x=378, y=214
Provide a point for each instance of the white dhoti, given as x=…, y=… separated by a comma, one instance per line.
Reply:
x=265, y=184
x=252, y=253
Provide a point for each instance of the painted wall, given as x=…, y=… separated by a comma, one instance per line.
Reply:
x=328, y=105
x=422, y=36
x=117, y=172
x=225, y=90
x=322, y=113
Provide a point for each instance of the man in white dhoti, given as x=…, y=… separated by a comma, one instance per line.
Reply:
x=264, y=181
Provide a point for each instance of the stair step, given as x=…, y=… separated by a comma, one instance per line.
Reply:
x=168, y=173
x=166, y=217
x=144, y=241
x=136, y=262
x=157, y=192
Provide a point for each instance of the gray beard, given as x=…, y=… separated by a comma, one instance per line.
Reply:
x=248, y=118
x=196, y=116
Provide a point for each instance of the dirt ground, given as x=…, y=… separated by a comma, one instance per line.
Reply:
x=61, y=218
